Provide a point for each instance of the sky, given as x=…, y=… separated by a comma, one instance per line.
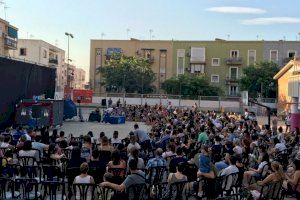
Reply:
x=48, y=20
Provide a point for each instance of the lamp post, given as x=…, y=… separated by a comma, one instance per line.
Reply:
x=68, y=67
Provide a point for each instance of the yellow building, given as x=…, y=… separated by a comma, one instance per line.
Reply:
x=289, y=90
x=158, y=52
x=8, y=37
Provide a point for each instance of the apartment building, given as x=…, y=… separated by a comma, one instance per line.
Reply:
x=221, y=62
x=159, y=54
x=43, y=53
x=79, y=80
x=8, y=37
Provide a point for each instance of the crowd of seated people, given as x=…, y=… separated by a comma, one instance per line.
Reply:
x=188, y=154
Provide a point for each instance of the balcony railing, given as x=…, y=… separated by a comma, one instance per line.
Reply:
x=231, y=81
x=53, y=60
x=10, y=43
x=234, y=61
x=150, y=60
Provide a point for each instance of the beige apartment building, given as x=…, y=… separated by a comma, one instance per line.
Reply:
x=8, y=37
x=43, y=53
x=159, y=53
x=79, y=80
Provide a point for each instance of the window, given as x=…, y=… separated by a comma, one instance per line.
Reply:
x=197, y=54
x=251, y=57
x=215, y=62
x=233, y=73
x=163, y=62
x=274, y=55
x=197, y=68
x=180, y=61
x=214, y=78
x=44, y=54
x=23, y=51
x=233, y=90
x=234, y=54
x=291, y=54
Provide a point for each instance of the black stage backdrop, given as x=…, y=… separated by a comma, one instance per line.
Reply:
x=20, y=80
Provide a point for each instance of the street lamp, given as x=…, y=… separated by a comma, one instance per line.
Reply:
x=68, y=35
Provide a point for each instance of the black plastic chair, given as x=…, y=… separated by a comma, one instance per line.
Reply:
x=71, y=174
x=159, y=190
x=27, y=160
x=51, y=173
x=84, y=190
x=104, y=156
x=31, y=172
x=7, y=190
x=178, y=190
x=105, y=193
x=28, y=187
x=11, y=170
x=97, y=173
x=157, y=174
x=67, y=152
x=271, y=191
x=136, y=192
x=54, y=190
x=228, y=183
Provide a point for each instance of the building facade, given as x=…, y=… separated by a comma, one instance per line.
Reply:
x=79, y=80
x=43, y=53
x=159, y=53
x=289, y=91
x=8, y=37
x=221, y=62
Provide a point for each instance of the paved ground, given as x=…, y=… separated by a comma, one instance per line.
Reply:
x=81, y=128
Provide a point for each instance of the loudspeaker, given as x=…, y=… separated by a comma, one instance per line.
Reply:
x=36, y=111
x=103, y=102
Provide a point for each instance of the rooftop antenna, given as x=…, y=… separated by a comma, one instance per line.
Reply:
x=102, y=35
x=5, y=8
x=228, y=36
x=127, y=32
x=150, y=32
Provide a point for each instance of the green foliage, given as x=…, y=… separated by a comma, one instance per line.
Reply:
x=192, y=86
x=258, y=78
x=130, y=73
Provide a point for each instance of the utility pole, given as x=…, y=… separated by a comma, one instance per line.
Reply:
x=68, y=61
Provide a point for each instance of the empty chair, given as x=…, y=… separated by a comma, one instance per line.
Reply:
x=7, y=189
x=28, y=188
x=54, y=190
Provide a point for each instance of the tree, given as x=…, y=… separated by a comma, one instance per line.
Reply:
x=127, y=74
x=192, y=86
x=258, y=78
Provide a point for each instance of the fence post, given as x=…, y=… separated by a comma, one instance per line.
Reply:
x=219, y=98
x=179, y=101
x=142, y=96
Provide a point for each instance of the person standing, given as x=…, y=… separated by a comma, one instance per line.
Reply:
x=288, y=122
x=143, y=137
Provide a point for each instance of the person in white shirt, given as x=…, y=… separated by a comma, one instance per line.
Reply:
x=231, y=169
x=115, y=140
x=132, y=144
x=279, y=147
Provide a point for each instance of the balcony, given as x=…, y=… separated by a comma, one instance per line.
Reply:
x=231, y=81
x=198, y=61
x=53, y=61
x=150, y=60
x=10, y=43
x=234, y=61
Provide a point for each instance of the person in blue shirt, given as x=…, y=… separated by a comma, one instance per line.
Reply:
x=204, y=160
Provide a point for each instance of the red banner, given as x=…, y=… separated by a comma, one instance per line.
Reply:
x=85, y=96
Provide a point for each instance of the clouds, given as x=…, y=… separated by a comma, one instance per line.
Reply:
x=236, y=10
x=271, y=21
x=254, y=21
